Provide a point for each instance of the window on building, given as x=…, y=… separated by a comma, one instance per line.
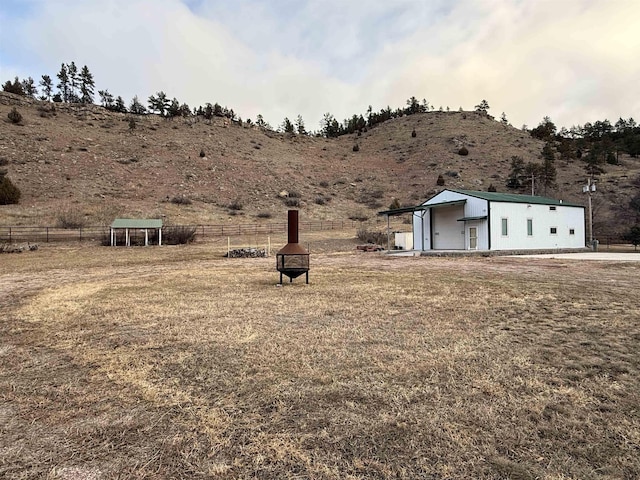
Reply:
x=572, y=231
x=553, y=231
x=552, y=208
x=505, y=227
x=529, y=227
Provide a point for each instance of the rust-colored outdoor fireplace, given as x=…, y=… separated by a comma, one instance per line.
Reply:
x=293, y=259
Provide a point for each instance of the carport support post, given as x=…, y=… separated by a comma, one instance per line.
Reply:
x=146, y=237
x=388, y=233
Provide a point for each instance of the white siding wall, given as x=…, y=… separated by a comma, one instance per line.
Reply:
x=563, y=219
x=446, y=196
x=421, y=241
x=477, y=207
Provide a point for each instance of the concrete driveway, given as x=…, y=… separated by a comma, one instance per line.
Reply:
x=606, y=256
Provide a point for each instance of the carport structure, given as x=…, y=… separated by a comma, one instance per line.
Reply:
x=419, y=210
x=128, y=224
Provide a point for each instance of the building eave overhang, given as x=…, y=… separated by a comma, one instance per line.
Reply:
x=418, y=208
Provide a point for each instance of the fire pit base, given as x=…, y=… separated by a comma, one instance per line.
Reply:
x=292, y=275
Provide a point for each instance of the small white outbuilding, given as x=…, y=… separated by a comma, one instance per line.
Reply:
x=473, y=220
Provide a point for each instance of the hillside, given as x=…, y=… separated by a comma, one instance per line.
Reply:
x=87, y=161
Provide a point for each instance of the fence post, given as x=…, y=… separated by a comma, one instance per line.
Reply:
x=47, y=234
x=9, y=234
x=80, y=233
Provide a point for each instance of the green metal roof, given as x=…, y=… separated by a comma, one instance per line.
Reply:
x=136, y=223
x=515, y=198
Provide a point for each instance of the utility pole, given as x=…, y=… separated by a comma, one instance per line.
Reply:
x=588, y=188
x=533, y=181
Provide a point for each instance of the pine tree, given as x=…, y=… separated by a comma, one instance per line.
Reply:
x=63, y=86
x=548, y=172
x=185, y=110
x=87, y=85
x=287, y=126
x=15, y=87
x=482, y=107
x=47, y=86
x=106, y=99
x=159, y=103
x=515, y=175
x=29, y=87
x=174, y=108
x=152, y=101
x=136, y=107
x=9, y=193
x=413, y=106
x=300, y=126
x=74, y=82
x=208, y=112
x=633, y=236
x=120, y=106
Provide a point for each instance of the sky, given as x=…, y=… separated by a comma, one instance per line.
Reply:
x=575, y=61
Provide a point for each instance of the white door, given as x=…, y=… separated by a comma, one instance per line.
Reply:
x=473, y=238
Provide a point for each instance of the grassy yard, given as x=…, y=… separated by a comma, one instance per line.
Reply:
x=173, y=362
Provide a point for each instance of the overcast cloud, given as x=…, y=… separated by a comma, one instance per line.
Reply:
x=573, y=60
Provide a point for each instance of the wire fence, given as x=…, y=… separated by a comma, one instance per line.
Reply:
x=35, y=234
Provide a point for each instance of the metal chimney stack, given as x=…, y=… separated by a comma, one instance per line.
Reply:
x=293, y=259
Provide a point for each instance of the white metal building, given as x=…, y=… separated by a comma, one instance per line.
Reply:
x=470, y=220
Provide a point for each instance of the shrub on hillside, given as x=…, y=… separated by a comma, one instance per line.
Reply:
x=14, y=115
x=413, y=133
x=178, y=235
x=236, y=205
x=70, y=218
x=371, y=236
x=181, y=200
x=9, y=193
x=358, y=217
x=440, y=180
x=356, y=148
x=463, y=151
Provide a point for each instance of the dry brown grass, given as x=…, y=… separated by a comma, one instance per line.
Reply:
x=174, y=363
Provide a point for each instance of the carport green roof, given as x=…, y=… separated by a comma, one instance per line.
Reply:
x=136, y=223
